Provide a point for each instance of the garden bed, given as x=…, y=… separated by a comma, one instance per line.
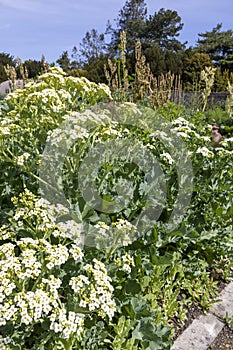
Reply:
x=127, y=265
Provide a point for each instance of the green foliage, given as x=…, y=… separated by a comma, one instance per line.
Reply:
x=89, y=60
x=92, y=46
x=155, y=56
x=132, y=20
x=219, y=116
x=207, y=76
x=30, y=114
x=221, y=80
x=229, y=102
x=143, y=87
x=64, y=61
x=163, y=28
x=34, y=68
x=217, y=44
x=160, y=29
x=158, y=34
x=93, y=56
x=193, y=64
x=5, y=59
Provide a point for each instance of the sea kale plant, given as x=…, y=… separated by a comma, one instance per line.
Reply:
x=115, y=218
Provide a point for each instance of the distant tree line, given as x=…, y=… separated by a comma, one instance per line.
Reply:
x=158, y=34
x=159, y=37
x=13, y=68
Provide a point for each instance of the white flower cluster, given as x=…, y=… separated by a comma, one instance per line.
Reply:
x=102, y=227
x=24, y=261
x=205, y=152
x=230, y=139
x=22, y=158
x=54, y=72
x=44, y=219
x=30, y=266
x=125, y=231
x=125, y=262
x=149, y=146
x=19, y=270
x=95, y=289
x=5, y=131
x=9, y=265
x=66, y=324
x=184, y=128
x=7, y=232
x=4, y=341
x=121, y=233
x=123, y=224
x=110, y=131
x=66, y=135
x=56, y=255
x=43, y=216
x=56, y=210
x=203, y=138
x=13, y=272
x=32, y=306
x=49, y=100
x=167, y=157
x=69, y=229
x=43, y=95
x=227, y=143
x=222, y=152
x=53, y=284
x=76, y=252
x=105, y=88
x=160, y=134
x=182, y=122
x=32, y=206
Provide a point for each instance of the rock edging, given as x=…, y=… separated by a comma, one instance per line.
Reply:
x=203, y=330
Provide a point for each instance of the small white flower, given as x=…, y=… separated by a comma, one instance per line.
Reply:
x=167, y=157
x=205, y=152
x=22, y=158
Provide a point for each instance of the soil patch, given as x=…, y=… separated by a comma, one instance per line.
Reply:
x=224, y=340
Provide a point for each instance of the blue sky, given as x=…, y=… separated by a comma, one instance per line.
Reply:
x=30, y=28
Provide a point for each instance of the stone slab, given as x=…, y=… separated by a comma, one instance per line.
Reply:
x=226, y=305
x=200, y=334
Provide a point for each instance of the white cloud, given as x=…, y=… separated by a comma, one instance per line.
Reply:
x=5, y=26
x=21, y=5
x=35, y=6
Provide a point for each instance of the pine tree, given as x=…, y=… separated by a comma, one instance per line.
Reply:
x=163, y=29
x=131, y=19
x=92, y=46
x=217, y=44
